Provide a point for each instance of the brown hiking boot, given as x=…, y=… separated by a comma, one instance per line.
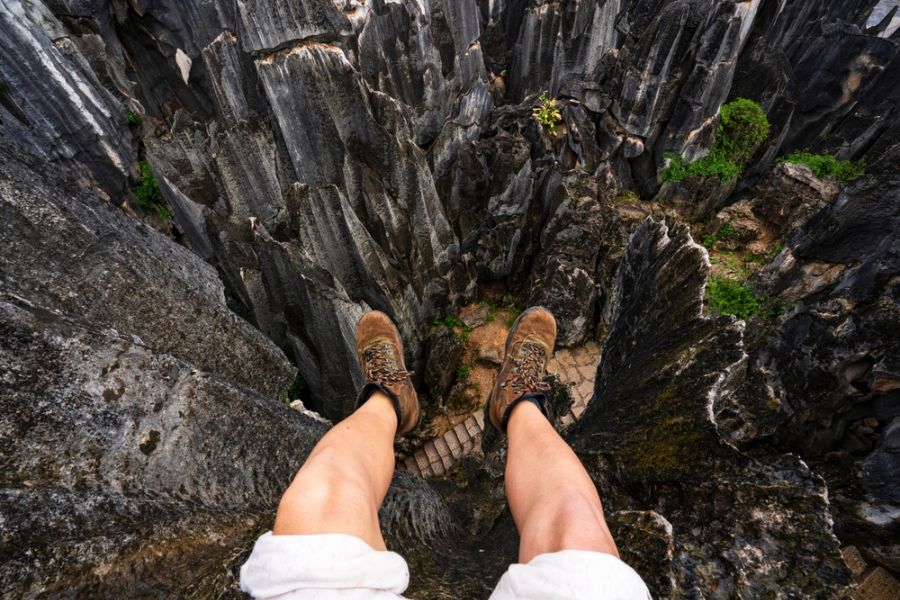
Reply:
x=380, y=353
x=529, y=346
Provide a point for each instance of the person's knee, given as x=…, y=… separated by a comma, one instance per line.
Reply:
x=569, y=521
x=325, y=486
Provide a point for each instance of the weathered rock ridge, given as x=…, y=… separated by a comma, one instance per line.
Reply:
x=322, y=158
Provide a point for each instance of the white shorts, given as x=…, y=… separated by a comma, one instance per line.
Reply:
x=336, y=566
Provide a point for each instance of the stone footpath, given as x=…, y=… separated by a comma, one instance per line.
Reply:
x=873, y=583
x=575, y=367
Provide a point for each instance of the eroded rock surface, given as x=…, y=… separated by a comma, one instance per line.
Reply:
x=323, y=158
x=651, y=428
x=825, y=382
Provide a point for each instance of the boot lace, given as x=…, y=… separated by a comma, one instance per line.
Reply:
x=382, y=367
x=527, y=374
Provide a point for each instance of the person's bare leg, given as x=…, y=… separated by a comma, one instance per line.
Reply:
x=553, y=501
x=344, y=480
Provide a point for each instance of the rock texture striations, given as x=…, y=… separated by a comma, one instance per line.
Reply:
x=322, y=158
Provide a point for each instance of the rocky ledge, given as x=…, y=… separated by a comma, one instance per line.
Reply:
x=199, y=199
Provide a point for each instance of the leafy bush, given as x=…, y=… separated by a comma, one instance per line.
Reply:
x=730, y=297
x=148, y=194
x=742, y=127
x=825, y=165
x=547, y=114
x=463, y=372
x=711, y=165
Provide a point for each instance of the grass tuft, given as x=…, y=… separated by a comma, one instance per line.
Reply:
x=727, y=232
x=742, y=127
x=148, y=194
x=731, y=297
x=826, y=165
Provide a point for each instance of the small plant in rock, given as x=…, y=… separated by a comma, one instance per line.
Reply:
x=132, y=117
x=296, y=388
x=826, y=165
x=456, y=325
x=628, y=196
x=463, y=372
x=509, y=304
x=547, y=114
x=742, y=127
x=148, y=194
x=727, y=232
x=732, y=297
x=491, y=313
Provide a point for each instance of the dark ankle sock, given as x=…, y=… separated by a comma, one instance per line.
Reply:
x=536, y=398
x=370, y=388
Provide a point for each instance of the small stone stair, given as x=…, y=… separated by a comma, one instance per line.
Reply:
x=575, y=367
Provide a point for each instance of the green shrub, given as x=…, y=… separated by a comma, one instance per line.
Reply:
x=148, y=194
x=147, y=190
x=711, y=165
x=825, y=165
x=491, y=313
x=730, y=297
x=463, y=372
x=547, y=114
x=742, y=127
x=452, y=321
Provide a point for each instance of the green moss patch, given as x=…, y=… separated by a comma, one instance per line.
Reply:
x=826, y=165
x=731, y=297
x=742, y=127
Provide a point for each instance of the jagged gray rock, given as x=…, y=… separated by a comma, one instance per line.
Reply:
x=271, y=25
x=52, y=103
x=651, y=429
x=66, y=250
x=329, y=157
x=148, y=488
x=824, y=383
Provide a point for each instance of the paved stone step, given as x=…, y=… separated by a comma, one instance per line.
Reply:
x=576, y=367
